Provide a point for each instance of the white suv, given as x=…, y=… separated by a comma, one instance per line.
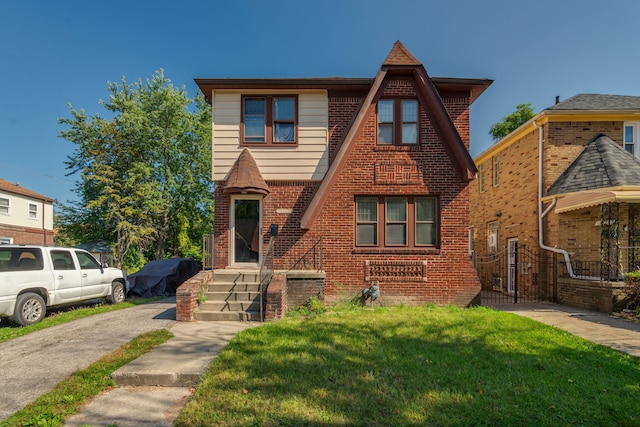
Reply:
x=33, y=278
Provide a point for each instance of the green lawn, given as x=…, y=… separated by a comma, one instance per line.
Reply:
x=415, y=366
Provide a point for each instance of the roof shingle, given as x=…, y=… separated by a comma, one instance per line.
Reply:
x=602, y=164
x=590, y=101
x=17, y=189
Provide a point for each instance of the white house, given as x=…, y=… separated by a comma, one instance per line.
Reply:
x=26, y=217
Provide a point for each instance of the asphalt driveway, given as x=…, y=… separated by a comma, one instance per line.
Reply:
x=33, y=364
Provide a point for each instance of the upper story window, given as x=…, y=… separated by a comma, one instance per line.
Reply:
x=481, y=178
x=401, y=221
x=33, y=211
x=4, y=206
x=631, y=138
x=496, y=170
x=269, y=120
x=397, y=121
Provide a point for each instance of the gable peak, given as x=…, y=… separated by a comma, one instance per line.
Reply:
x=400, y=55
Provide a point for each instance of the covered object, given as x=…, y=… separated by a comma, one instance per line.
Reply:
x=162, y=276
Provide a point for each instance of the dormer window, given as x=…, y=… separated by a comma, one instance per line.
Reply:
x=397, y=121
x=269, y=120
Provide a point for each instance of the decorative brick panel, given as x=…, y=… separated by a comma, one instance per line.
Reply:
x=395, y=270
x=399, y=172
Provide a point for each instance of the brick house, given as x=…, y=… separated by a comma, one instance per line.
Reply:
x=565, y=184
x=363, y=179
x=26, y=217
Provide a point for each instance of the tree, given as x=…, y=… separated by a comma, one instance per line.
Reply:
x=145, y=173
x=513, y=121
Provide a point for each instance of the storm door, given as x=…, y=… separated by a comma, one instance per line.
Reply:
x=245, y=227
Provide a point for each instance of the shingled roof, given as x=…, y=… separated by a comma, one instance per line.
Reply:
x=602, y=164
x=245, y=177
x=400, y=55
x=587, y=101
x=15, y=188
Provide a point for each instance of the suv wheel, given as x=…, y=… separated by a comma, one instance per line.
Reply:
x=30, y=309
x=117, y=293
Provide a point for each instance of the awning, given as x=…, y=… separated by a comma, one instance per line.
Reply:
x=245, y=177
x=587, y=199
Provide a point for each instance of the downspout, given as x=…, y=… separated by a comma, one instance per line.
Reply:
x=541, y=214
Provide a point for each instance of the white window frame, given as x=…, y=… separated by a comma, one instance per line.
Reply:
x=7, y=206
x=33, y=213
x=6, y=240
x=632, y=145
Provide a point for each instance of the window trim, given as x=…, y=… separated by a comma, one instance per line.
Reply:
x=269, y=120
x=410, y=223
x=634, y=143
x=496, y=170
x=8, y=206
x=481, y=177
x=35, y=212
x=398, y=122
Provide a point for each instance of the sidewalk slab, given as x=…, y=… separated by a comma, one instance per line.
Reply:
x=152, y=389
x=180, y=361
x=620, y=334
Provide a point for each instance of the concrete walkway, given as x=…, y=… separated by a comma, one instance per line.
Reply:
x=153, y=388
x=600, y=328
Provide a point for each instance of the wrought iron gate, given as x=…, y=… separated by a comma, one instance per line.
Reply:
x=517, y=275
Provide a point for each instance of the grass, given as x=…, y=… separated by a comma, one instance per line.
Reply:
x=57, y=316
x=68, y=396
x=409, y=366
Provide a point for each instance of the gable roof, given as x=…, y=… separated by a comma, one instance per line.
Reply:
x=400, y=55
x=399, y=60
x=598, y=102
x=245, y=177
x=601, y=164
x=15, y=188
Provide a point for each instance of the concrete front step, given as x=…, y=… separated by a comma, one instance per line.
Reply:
x=232, y=287
x=229, y=306
x=231, y=275
x=212, y=316
x=232, y=296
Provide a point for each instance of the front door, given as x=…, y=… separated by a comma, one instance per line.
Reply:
x=246, y=229
x=512, y=265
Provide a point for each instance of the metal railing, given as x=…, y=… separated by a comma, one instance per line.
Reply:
x=266, y=273
x=621, y=260
x=299, y=253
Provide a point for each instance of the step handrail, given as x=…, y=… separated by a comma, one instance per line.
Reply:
x=266, y=272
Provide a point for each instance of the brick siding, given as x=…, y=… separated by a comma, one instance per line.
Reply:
x=423, y=169
x=27, y=236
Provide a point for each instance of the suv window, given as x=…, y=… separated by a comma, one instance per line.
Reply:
x=20, y=259
x=87, y=261
x=62, y=260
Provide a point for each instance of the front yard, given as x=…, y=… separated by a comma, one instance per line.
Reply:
x=415, y=366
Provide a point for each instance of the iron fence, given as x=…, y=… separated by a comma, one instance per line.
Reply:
x=517, y=275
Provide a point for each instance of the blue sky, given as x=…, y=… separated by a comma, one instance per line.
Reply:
x=55, y=53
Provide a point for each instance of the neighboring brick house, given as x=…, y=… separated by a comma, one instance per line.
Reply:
x=585, y=193
x=26, y=217
x=375, y=172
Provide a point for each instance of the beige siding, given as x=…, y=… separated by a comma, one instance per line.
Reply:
x=19, y=212
x=307, y=161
